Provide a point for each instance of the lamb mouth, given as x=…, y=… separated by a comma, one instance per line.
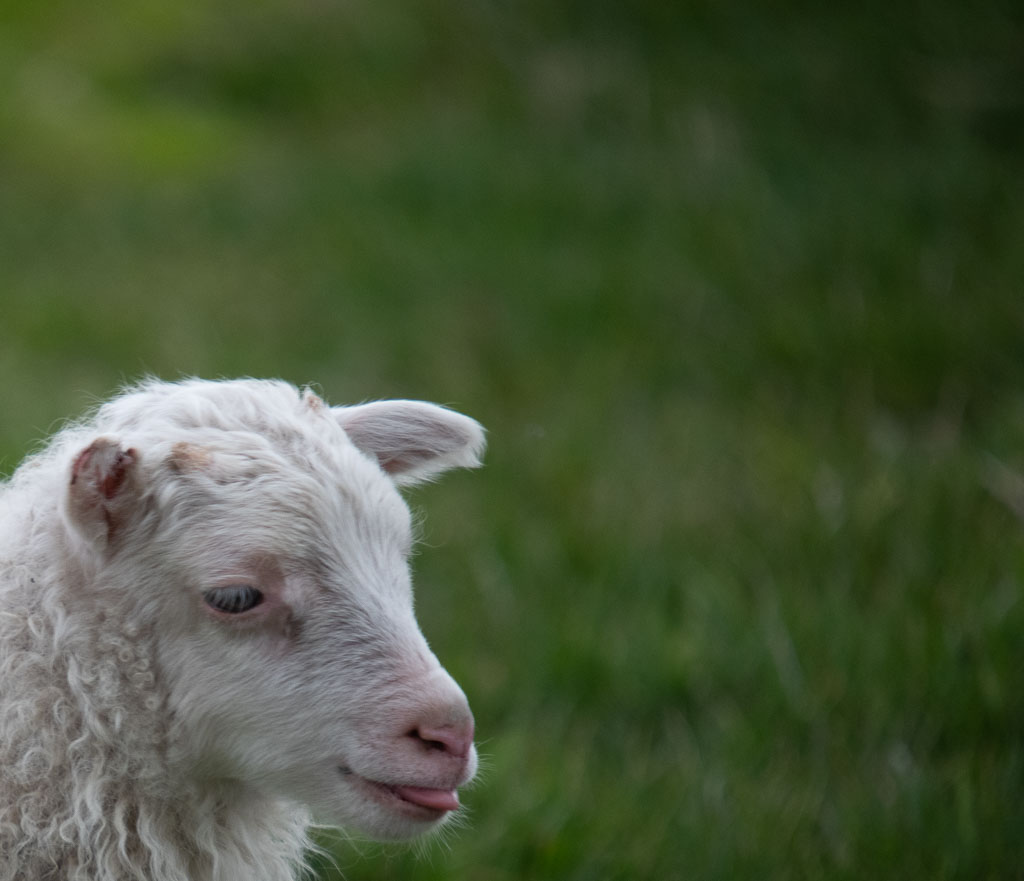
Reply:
x=423, y=801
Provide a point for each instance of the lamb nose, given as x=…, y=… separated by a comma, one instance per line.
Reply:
x=453, y=739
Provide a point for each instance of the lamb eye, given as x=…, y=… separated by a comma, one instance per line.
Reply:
x=234, y=599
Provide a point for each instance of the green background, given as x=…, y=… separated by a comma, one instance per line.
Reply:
x=737, y=291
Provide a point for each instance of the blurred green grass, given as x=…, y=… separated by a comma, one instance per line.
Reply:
x=736, y=291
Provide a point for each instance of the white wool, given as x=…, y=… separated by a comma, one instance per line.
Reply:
x=146, y=735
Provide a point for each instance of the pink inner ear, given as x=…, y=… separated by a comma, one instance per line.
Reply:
x=396, y=463
x=108, y=465
x=100, y=497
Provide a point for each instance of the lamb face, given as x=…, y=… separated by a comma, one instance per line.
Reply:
x=270, y=561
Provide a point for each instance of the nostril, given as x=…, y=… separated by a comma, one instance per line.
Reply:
x=454, y=739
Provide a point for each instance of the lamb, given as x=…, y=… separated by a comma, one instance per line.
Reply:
x=207, y=637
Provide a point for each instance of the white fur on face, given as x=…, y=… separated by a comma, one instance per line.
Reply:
x=317, y=689
x=316, y=692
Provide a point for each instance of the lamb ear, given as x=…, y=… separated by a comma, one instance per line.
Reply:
x=412, y=440
x=102, y=492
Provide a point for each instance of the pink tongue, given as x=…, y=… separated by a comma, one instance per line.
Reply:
x=438, y=799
